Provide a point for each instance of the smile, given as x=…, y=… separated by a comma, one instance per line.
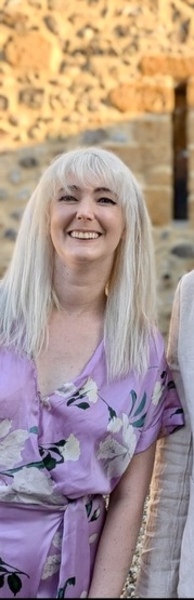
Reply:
x=85, y=235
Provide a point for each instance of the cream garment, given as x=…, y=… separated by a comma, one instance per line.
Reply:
x=167, y=565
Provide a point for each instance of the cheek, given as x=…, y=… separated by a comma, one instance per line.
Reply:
x=55, y=220
x=123, y=233
x=120, y=228
x=121, y=222
x=53, y=229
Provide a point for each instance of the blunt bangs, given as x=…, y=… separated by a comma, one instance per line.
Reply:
x=91, y=167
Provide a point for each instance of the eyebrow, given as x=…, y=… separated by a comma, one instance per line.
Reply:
x=98, y=189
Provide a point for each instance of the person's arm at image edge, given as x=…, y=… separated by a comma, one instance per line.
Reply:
x=169, y=494
x=122, y=526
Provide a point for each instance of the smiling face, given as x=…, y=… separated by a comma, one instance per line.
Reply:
x=86, y=224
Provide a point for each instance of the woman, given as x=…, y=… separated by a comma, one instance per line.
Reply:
x=167, y=558
x=85, y=388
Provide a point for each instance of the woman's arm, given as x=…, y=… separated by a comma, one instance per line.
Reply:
x=121, y=529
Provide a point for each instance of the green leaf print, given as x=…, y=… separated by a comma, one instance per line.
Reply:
x=12, y=574
x=140, y=421
x=92, y=516
x=112, y=412
x=171, y=385
x=75, y=397
x=61, y=591
x=178, y=411
x=49, y=462
x=89, y=508
x=14, y=583
x=141, y=405
x=83, y=405
x=134, y=398
x=95, y=515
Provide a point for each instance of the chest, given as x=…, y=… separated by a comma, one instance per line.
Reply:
x=68, y=352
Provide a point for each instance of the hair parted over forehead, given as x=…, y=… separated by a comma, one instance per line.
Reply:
x=26, y=290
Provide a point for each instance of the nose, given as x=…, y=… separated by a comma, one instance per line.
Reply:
x=85, y=210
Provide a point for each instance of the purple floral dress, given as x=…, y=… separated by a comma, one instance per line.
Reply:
x=60, y=456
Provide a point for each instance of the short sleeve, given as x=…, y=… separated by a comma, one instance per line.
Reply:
x=164, y=409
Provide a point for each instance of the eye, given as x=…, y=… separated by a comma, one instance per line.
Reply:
x=67, y=198
x=105, y=200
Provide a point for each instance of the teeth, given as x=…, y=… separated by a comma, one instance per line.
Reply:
x=84, y=235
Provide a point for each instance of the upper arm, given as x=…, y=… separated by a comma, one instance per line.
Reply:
x=134, y=483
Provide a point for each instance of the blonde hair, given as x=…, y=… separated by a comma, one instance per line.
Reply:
x=26, y=290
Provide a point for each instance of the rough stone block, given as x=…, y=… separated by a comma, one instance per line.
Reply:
x=159, y=204
x=176, y=65
x=151, y=127
x=145, y=95
x=28, y=51
x=141, y=158
x=130, y=155
x=160, y=175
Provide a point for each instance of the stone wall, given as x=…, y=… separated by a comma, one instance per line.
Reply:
x=21, y=169
x=67, y=66
x=101, y=65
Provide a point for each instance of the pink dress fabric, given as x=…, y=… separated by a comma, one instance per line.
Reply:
x=61, y=456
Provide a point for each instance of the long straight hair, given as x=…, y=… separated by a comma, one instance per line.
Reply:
x=27, y=296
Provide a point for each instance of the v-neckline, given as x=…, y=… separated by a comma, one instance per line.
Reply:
x=76, y=381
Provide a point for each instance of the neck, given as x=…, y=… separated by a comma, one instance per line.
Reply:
x=79, y=293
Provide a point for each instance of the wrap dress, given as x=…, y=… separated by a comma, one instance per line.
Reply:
x=61, y=456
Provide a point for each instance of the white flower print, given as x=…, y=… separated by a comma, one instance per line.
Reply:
x=6, y=493
x=157, y=393
x=51, y=566
x=57, y=540
x=5, y=488
x=116, y=456
x=12, y=446
x=5, y=427
x=66, y=389
x=115, y=425
x=84, y=594
x=90, y=390
x=30, y=479
x=93, y=538
x=71, y=450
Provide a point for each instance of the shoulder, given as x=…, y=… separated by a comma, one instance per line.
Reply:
x=186, y=283
x=185, y=290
